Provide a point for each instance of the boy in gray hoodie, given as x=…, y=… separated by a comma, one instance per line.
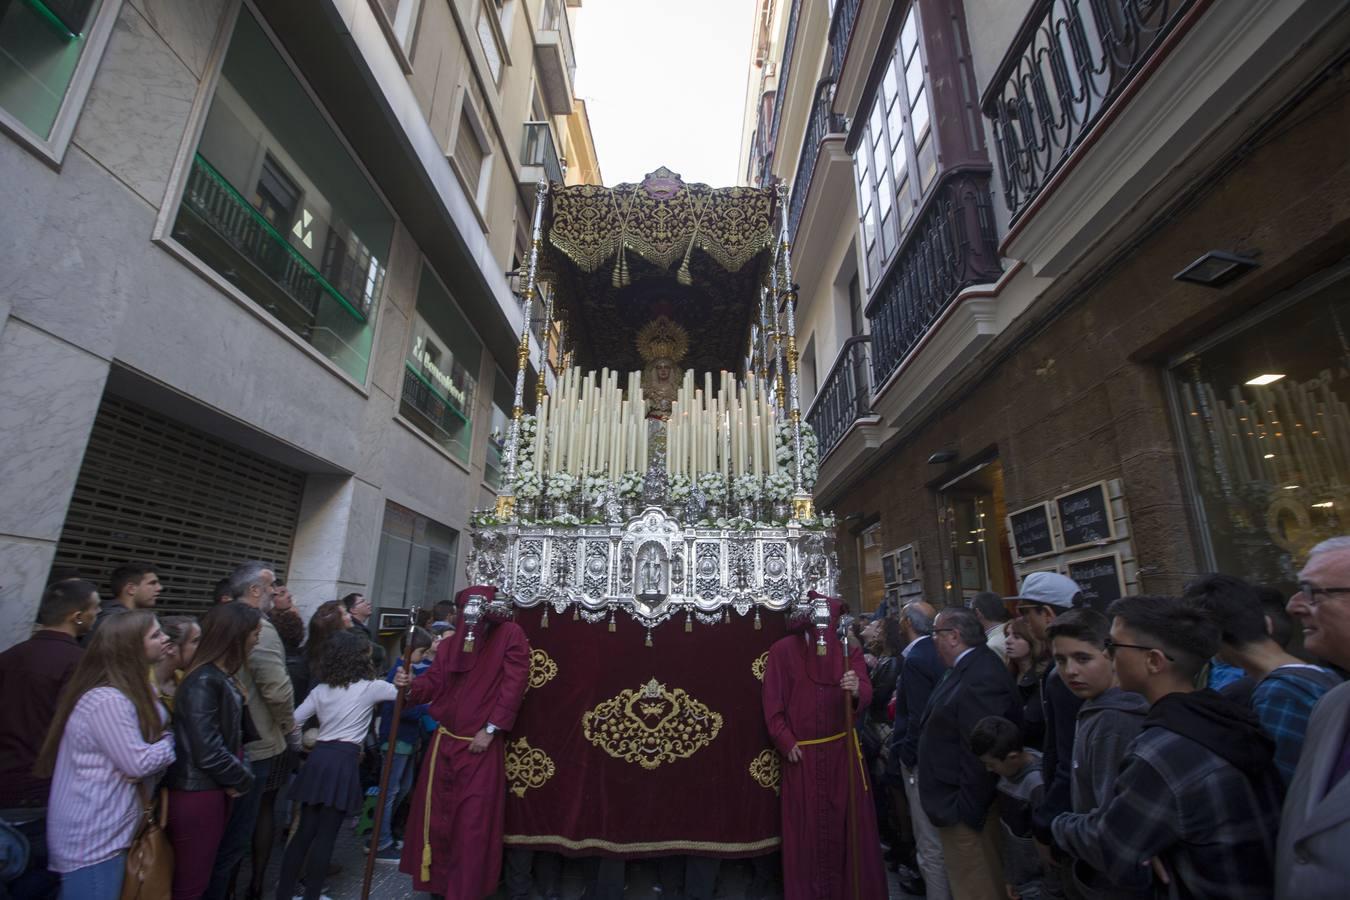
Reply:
x=1108, y=721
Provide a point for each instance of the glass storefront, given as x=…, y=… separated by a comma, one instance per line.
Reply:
x=279, y=208
x=1263, y=410
x=416, y=562
x=39, y=50
x=440, y=374
x=971, y=515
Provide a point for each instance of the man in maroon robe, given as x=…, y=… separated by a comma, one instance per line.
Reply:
x=453, y=844
x=804, y=697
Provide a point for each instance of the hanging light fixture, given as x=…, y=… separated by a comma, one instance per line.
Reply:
x=1216, y=268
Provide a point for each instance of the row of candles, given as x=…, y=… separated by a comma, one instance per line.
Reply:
x=587, y=425
x=730, y=431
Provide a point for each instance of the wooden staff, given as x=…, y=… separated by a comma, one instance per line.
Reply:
x=850, y=752
x=387, y=766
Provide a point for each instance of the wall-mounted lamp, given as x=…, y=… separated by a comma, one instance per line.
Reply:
x=1216, y=268
x=941, y=457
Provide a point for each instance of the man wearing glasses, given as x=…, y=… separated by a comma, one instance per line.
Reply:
x=1197, y=794
x=1312, y=861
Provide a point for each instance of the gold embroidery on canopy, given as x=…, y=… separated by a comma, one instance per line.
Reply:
x=527, y=767
x=651, y=725
x=766, y=769
x=757, y=667
x=542, y=669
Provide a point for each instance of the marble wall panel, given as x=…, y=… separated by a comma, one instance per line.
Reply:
x=137, y=109
x=49, y=394
x=316, y=550
x=28, y=192
x=188, y=28
x=363, y=534
x=24, y=565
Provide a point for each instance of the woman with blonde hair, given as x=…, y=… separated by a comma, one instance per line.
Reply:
x=107, y=736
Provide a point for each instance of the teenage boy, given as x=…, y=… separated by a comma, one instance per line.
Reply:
x=1196, y=795
x=1108, y=722
x=1284, y=688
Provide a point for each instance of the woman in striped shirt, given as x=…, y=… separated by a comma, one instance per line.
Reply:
x=109, y=733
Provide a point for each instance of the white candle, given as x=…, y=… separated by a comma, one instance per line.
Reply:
x=755, y=460
x=541, y=436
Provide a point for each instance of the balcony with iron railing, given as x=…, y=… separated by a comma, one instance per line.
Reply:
x=823, y=122
x=539, y=155
x=842, y=20
x=1068, y=63
x=845, y=396
x=951, y=246
x=770, y=133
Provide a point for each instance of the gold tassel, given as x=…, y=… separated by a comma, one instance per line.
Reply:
x=576, y=614
x=688, y=622
x=543, y=620
x=612, y=629
x=820, y=649
x=649, y=637
x=468, y=642
x=758, y=626
x=426, y=858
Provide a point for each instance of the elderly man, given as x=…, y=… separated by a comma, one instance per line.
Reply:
x=1311, y=862
x=955, y=788
x=271, y=708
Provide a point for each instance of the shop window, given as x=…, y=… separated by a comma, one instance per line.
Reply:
x=503, y=393
x=971, y=520
x=41, y=46
x=1265, y=419
x=415, y=567
x=440, y=374
x=278, y=207
x=871, y=582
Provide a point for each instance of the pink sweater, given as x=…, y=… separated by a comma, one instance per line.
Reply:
x=95, y=800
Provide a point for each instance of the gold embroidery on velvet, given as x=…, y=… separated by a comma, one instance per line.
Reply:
x=527, y=767
x=651, y=725
x=766, y=769
x=542, y=669
x=591, y=223
x=551, y=841
x=757, y=667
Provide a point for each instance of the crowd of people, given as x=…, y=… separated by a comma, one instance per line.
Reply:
x=1019, y=747
x=240, y=705
x=1184, y=746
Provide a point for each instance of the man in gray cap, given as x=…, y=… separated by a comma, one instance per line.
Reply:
x=1043, y=596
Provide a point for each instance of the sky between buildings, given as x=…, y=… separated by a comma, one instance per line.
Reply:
x=664, y=82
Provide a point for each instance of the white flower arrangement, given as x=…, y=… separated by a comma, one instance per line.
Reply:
x=783, y=452
x=630, y=485
x=680, y=488
x=593, y=487
x=745, y=487
x=778, y=486
x=561, y=486
x=713, y=484
x=529, y=483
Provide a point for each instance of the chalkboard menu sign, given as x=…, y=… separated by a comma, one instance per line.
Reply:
x=1085, y=516
x=1031, y=532
x=1099, y=578
x=906, y=564
x=888, y=569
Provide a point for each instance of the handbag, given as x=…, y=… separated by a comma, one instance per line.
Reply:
x=149, y=874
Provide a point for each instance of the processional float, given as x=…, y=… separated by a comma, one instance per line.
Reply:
x=663, y=479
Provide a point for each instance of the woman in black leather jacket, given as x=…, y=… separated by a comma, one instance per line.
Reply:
x=208, y=729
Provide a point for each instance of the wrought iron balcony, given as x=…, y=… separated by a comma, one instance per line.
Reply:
x=845, y=396
x=951, y=247
x=780, y=98
x=841, y=32
x=538, y=152
x=823, y=122
x=1066, y=65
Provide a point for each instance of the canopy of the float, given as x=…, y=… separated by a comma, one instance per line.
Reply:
x=616, y=258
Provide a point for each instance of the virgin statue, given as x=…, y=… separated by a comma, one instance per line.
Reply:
x=662, y=344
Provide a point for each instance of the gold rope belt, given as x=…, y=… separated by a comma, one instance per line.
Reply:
x=857, y=747
x=441, y=731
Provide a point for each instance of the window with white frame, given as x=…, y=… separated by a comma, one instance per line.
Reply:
x=401, y=17
x=897, y=159
x=471, y=152
x=489, y=36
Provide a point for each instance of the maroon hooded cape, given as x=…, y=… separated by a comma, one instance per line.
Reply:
x=803, y=703
x=453, y=843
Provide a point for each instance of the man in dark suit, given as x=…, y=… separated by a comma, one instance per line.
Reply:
x=955, y=788
x=920, y=670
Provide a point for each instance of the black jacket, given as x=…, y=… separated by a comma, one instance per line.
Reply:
x=208, y=732
x=954, y=786
x=920, y=672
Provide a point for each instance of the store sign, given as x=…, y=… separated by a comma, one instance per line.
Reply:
x=425, y=354
x=1099, y=578
x=1031, y=533
x=1085, y=516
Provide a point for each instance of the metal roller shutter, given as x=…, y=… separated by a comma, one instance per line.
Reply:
x=152, y=489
